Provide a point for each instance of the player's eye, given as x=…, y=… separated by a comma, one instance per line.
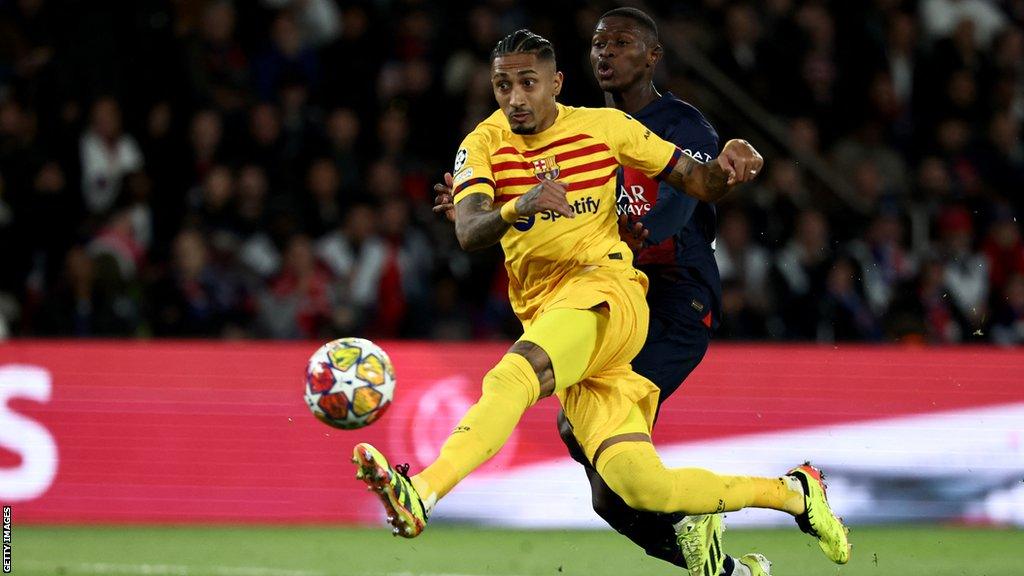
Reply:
x=502, y=86
x=529, y=82
x=623, y=42
x=599, y=45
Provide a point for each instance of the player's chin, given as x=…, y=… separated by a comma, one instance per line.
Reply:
x=522, y=128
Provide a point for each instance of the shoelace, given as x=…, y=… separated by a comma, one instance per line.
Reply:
x=403, y=471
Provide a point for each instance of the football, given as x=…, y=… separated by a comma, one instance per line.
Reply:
x=349, y=383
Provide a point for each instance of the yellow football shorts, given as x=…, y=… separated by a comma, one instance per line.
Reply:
x=606, y=398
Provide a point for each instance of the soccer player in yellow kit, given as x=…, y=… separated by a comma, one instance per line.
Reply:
x=540, y=178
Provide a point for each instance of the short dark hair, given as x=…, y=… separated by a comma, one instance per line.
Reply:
x=521, y=41
x=645, y=22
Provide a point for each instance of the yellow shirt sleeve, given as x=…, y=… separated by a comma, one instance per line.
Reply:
x=472, y=171
x=634, y=145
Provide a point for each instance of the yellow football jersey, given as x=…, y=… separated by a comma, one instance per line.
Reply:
x=582, y=149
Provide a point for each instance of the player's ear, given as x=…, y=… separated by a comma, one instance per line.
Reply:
x=558, y=83
x=655, y=54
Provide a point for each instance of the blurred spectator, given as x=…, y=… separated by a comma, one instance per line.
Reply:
x=218, y=66
x=903, y=56
x=846, y=315
x=1003, y=162
x=46, y=222
x=384, y=180
x=884, y=264
x=299, y=303
x=777, y=202
x=342, y=138
x=355, y=254
x=72, y=307
x=1006, y=73
x=942, y=17
x=1008, y=326
x=265, y=144
x=358, y=52
x=210, y=204
x=403, y=285
x=205, y=136
x=257, y=252
x=288, y=52
x=966, y=271
x=324, y=205
x=742, y=261
x=799, y=275
x=742, y=44
x=299, y=121
x=195, y=298
x=107, y=154
x=290, y=146
x=866, y=155
x=318, y=20
x=1004, y=250
x=933, y=190
x=942, y=321
x=101, y=297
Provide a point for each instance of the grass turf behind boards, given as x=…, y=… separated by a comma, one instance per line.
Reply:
x=468, y=551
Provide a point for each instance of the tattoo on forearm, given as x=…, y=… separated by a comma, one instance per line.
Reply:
x=527, y=202
x=477, y=224
x=704, y=181
x=716, y=181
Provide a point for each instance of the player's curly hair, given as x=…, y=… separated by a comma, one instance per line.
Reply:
x=523, y=40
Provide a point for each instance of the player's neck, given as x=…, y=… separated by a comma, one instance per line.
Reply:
x=632, y=99
x=544, y=125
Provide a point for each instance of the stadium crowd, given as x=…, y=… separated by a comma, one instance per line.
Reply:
x=187, y=168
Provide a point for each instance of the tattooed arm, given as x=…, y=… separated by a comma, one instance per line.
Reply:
x=709, y=181
x=478, y=225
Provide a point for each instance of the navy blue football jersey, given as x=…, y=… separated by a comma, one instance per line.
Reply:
x=678, y=256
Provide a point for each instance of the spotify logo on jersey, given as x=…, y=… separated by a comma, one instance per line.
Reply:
x=524, y=223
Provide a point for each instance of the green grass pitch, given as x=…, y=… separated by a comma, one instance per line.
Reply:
x=471, y=551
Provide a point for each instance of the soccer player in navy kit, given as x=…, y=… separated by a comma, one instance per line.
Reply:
x=674, y=234
x=676, y=254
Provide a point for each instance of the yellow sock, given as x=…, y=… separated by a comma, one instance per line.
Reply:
x=508, y=390
x=635, y=472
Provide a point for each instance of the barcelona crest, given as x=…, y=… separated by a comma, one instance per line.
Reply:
x=545, y=168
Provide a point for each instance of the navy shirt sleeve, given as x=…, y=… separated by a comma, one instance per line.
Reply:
x=673, y=209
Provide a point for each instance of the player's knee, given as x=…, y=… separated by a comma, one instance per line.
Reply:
x=648, y=495
x=540, y=362
x=640, y=486
x=512, y=377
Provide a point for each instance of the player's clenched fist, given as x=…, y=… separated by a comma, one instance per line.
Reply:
x=548, y=195
x=740, y=161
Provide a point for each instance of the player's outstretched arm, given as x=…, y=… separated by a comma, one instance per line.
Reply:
x=478, y=225
x=709, y=181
